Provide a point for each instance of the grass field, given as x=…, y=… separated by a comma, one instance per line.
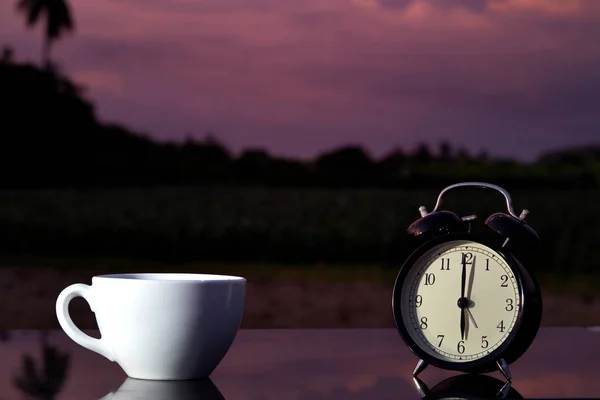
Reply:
x=243, y=226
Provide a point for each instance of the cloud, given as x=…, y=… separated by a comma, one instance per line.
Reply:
x=102, y=81
x=547, y=7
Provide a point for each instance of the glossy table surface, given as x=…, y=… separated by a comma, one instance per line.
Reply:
x=300, y=364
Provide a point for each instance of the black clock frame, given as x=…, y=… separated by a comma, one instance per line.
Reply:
x=528, y=318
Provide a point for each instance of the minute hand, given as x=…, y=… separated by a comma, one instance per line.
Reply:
x=463, y=277
x=462, y=296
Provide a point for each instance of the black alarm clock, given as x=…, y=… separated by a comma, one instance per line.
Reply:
x=465, y=301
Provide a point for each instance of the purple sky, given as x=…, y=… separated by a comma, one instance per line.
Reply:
x=514, y=77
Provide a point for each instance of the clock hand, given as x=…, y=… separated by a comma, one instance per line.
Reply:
x=463, y=321
x=469, y=292
x=471, y=278
x=462, y=299
x=471, y=317
x=463, y=277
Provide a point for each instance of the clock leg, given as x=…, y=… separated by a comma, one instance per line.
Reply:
x=503, y=392
x=503, y=367
x=421, y=365
x=421, y=387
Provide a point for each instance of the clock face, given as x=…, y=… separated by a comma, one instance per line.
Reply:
x=451, y=325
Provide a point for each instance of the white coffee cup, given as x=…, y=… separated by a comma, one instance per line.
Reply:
x=135, y=389
x=159, y=326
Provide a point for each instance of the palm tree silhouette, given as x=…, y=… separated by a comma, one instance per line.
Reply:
x=59, y=20
x=46, y=382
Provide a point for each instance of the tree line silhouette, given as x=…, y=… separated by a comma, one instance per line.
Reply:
x=51, y=137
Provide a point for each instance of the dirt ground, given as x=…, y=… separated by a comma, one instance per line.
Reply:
x=27, y=299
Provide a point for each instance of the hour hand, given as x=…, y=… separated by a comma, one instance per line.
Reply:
x=471, y=318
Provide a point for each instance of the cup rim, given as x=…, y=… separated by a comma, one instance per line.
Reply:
x=175, y=277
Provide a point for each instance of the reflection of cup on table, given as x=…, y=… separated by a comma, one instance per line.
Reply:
x=159, y=326
x=134, y=389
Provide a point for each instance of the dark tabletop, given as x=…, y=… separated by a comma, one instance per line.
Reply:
x=299, y=364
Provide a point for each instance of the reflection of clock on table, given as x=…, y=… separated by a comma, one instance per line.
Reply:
x=465, y=301
x=468, y=387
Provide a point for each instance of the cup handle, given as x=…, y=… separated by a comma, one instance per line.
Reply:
x=66, y=323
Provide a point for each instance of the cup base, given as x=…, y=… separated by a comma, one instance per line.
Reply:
x=192, y=377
